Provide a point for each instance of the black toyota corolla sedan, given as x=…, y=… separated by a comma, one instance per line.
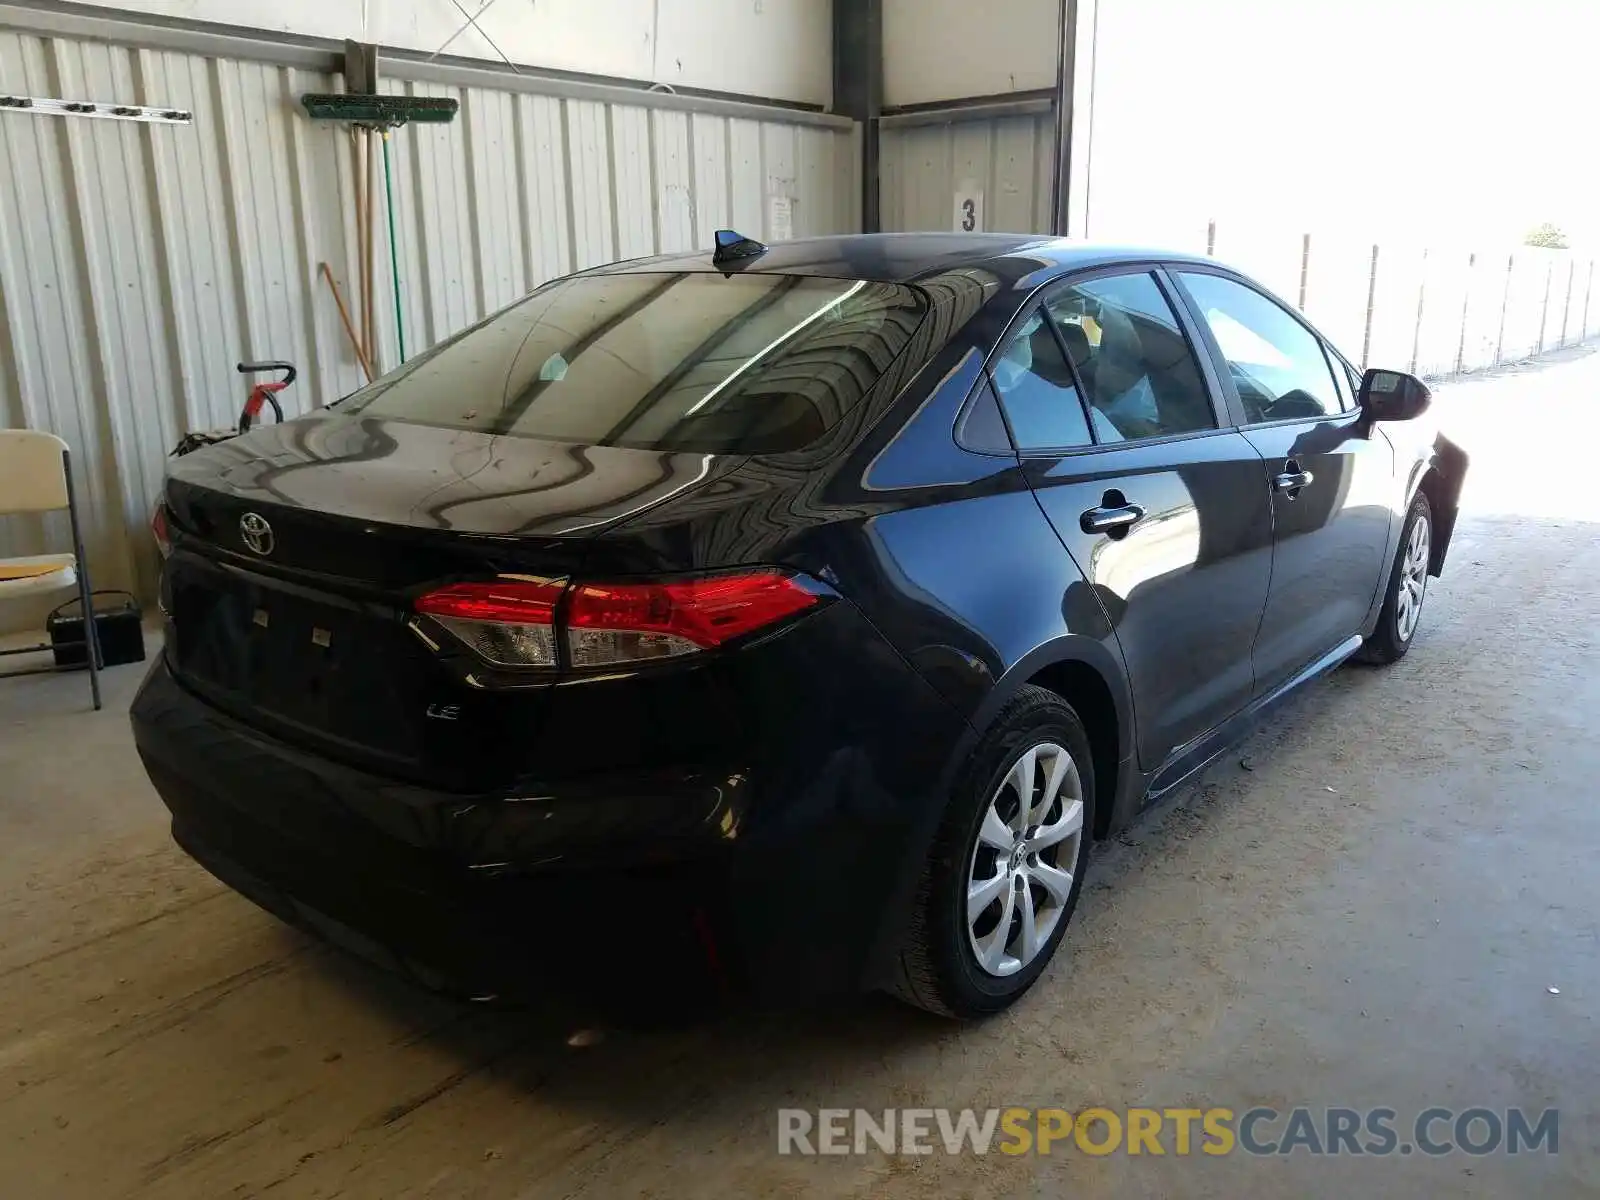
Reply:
x=775, y=619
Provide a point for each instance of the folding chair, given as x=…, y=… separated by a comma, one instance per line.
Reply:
x=35, y=477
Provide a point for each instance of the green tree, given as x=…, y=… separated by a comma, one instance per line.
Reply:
x=1546, y=236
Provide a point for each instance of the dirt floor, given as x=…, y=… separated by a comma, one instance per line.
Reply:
x=1373, y=903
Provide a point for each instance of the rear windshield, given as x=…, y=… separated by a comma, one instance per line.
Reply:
x=688, y=361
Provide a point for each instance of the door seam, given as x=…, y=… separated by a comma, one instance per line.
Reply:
x=1272, y=563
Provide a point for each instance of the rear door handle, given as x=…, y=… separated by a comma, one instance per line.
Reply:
x=1292, y=481
x=1105, y=519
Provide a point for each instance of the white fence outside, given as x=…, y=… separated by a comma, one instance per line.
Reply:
x=1429, y=310
x=1432, y=310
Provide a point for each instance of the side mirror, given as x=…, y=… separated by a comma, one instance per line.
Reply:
x=1393, y=396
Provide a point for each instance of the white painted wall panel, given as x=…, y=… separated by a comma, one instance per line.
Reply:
x=138, y=263
x=635, y=189
x=782, y=49
x=117, y=240
x=747, y=190
x=953, y=49
x=711, y=175
x=779, y=49
x=589, y=152
x=439, y=197
x=814, y=174
x=545, y=172
x=673, y=193
x=497, y=219
x=779, y=158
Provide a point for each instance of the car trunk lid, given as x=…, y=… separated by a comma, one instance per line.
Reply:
x=299, y=551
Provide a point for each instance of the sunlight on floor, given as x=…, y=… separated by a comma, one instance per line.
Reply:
x=1527, y=429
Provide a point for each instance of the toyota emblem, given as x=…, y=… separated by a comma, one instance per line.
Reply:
x=256, y=532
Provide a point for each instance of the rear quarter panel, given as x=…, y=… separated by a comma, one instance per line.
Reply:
x=1426, y=457
x=944, y=552
x=1424, y=460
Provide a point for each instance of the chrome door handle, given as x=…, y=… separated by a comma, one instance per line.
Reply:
x=1105, y=519
x=1292, y=481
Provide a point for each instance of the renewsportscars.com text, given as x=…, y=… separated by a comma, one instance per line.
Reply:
x=1163, y=1131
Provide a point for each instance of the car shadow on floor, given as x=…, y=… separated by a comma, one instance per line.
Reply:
x=628, y=1061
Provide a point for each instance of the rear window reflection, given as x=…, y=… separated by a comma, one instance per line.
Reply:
x=686, y=361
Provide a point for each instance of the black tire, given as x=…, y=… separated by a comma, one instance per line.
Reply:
x=938, y=968
x=1389, y=642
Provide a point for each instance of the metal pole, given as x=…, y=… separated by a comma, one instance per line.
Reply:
x=1466, y=305
x=1211, y=238
x=361, y=169
x=91, y=630
x=394, y=251
x=1305, y=268
x=1505, y=303
x=1566, y=307
x=1066, y=81
x=1544, y=311
x=1372, y=295
x=369, y=257
x=1416, y=330
x=1587, y=292
x=858, y=92
x=344, y=316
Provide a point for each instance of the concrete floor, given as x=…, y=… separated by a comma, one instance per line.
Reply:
x=1371, y=914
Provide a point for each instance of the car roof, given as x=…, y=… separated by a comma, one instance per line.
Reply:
x=907, y=257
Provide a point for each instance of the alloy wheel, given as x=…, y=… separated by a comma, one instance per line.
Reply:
x=1413, y=581
x=1020, y=875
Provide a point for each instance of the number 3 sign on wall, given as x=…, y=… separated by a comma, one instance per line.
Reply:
x=969, y=208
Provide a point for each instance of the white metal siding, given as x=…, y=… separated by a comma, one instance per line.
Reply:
x=138, y=263
x=782, y=46
x=1010, y=158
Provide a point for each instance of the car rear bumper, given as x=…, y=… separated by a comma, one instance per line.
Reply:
x=382, y=869
x=752, y=876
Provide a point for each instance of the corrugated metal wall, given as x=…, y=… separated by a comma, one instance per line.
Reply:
x=138, y=263
x=1009, y=158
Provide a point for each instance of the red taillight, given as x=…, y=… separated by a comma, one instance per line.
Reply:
x=513, y=601
x=163, y=535
x=624, y=622
x=513, y=622
x=509, y=621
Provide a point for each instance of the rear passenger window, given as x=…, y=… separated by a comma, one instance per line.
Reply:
x=1037, y=389
x=1138, y=369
